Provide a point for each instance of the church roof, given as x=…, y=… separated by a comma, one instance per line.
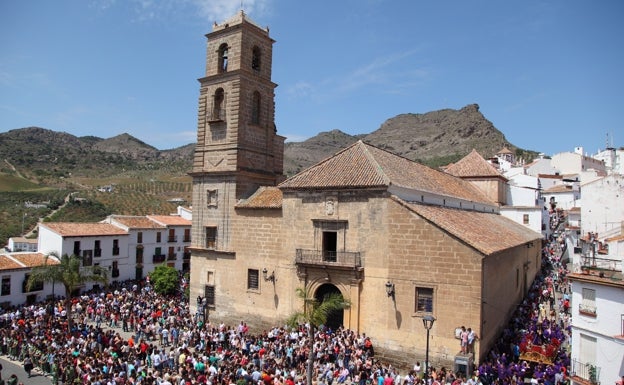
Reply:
x=266, y=197
x=362, y=165
x=473, y=165
x=488, y=233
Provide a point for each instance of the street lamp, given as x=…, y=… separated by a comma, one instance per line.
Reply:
x=428, y=321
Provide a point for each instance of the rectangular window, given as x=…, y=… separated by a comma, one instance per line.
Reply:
x=424, y=300
x=158, y=237
x=115, y=246
x=211, y=198
x=187, y=235
x=172, y=237
x=209, y=295
x=252, y=279
x=77, y=248
x=211, y=237
x=525, y=219
x=6, y=285
x=97, y=251
x=140, y=237
x=87, y=258
x=588, y=303
x=139, y=255
x=330, y=246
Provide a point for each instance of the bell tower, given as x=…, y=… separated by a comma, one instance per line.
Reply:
x=238, y=149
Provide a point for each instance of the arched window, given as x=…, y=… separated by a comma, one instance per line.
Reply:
x=255, y=108
x=217, y=106
x=223, y=57
x=255, y=58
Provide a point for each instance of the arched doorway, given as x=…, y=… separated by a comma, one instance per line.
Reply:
x=335, y=319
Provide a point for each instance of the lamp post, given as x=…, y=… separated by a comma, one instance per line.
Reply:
x=428, y=321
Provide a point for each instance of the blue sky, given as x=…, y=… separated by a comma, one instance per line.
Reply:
x=548, y=74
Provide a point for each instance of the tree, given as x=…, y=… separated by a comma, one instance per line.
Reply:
x=314, y=314
x=165, y=279
x=70, y=273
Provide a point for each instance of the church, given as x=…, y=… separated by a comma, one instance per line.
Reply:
x=402, y=241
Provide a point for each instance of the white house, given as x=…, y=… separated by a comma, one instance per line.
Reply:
x=602, y=209
x=16, y=244
x=99, y=244
x=613, y=159
x=14, y=272
x=576, y=162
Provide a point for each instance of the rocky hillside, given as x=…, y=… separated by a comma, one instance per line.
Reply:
x=434, y=138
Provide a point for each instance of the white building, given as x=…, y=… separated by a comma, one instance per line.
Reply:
x=99, y=244
x=14, y=272
x=602, y=208
x=613, y=160
x=16, y=244
x=576, y=162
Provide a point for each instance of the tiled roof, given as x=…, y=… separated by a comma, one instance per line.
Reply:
x=364, y=166
x=24, y=240
x=473, y=165
x=549, y=176
x=136, y=222
x=8, y=263
x=170, y=220
x=76, y=229
x=505, y=150
x=264, y=198
x=487, y=233
x=558, y=188
x=25, y=260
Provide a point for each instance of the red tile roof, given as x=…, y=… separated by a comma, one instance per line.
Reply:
x=75, y=229
x=364, y=166
x=24, y=260
x=487, y=233
x=136, y=222
x=473, y=165
x=170, y=220
x=264, y=198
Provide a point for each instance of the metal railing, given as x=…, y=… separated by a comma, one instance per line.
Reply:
x=328, y=258
x=586, y=371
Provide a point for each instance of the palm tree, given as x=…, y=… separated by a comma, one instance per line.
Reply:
x=70, y=273
x=314, y=314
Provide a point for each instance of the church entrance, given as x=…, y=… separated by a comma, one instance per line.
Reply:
x=334, y=319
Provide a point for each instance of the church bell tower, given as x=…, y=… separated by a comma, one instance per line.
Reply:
x=238, y=149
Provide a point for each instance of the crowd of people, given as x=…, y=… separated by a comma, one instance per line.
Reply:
x=132, y=335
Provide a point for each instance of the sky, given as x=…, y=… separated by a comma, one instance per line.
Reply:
x=548, y=74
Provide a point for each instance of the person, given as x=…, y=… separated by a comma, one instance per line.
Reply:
x=28, y=365
x=12, y=380
x=463, y=340
x=472, y=337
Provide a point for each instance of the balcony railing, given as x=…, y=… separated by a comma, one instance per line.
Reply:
x=186, y=255
x=172, y=239
x=602, y=267
x=328, y=258
x=585, y=371
x=97, y=252
x=187, y=239
x=171, y=257
x=115, y=273
x=159, y=258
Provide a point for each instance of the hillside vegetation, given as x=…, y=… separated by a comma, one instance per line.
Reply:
x=123, y=175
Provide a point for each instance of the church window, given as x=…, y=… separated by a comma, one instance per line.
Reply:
x=211, y=198
x=255, y=108
x=255, y=58
x=252, y=279
x=217, y=105
x=209, y=295
x=424, y=300
x=211, y=237
x=223, y=57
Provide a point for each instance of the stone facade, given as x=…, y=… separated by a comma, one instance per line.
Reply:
x=359, y=223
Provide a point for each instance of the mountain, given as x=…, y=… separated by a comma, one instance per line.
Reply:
x=434, y=138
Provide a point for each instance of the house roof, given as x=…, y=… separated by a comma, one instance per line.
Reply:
x=24, y=240
x=473, y=165
x=264, y=198
x=25, y=260
x=488, y=233
x=505, y=150
x=136, y=222
x=169, y=220
x=560, y=188
x=76, y=229
x=362, y=165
